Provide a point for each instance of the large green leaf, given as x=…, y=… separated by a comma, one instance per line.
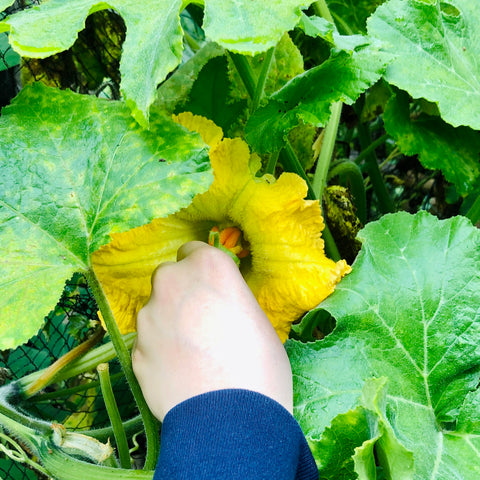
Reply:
x=409, y=312
x=5, y=4
x=250, y=27
x=455, y=151
x=174, y=92
x=74, y=169
x=435, y=45
x=153, y=45
x=309, y=97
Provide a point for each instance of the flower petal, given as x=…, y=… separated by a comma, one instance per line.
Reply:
x=125, y=266
x=211, y=134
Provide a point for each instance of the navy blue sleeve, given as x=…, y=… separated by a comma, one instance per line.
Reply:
x=233, y=434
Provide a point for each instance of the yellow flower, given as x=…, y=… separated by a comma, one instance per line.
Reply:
x=287, y=269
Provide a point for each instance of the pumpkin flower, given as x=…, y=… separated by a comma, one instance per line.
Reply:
x=265, y=222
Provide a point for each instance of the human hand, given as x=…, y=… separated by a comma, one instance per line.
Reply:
x=202, y=330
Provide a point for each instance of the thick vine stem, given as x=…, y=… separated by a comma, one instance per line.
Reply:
x=114, y=415
x=246, y=73
x=149, y=421
x=326, y=152
x=262, y=79
x=291, y=163
x=86, y=363
x=320, y=7
x=48, y=375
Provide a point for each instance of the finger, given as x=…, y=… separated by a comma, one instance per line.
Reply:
x=158, y=269
x=188, y=248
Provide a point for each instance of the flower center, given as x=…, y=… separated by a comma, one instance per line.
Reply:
x=229, y=239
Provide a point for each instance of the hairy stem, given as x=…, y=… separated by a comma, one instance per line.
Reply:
x=371, y=162
x=326, y=152
x=149, y=421
x=291, y=163
x=246, y=72
x=262, y=79
x=331, y=250
x=49, y=374
x=114, y=415
x=86, y=363
x=272, y=163
x=320, y=7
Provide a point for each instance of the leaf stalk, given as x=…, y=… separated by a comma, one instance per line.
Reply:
x=114, y=415
x=262, y=79
x=149, y=421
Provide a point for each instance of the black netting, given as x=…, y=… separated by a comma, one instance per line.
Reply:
x=90, y=66
x=77, y=402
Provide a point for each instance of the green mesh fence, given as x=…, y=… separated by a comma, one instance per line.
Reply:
x=91, y=66
x=77, y=402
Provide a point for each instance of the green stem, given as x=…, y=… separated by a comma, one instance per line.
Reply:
x=371, y=148
x=66, y=467
x=9, y=394
x=331, y=250
x=67, y=392
x=272, y=163
x=474, y=212
x=246, y=72
x=131, y=426
x=192, y=43
x=51, y=372
x=291, y=163
x=149, y=421
x=351, y=171
x=262, y=79
x=371, y=162
x=114, y=415
x=326, y=152
x=321, y=9
x=88, y=362
x=19, y=455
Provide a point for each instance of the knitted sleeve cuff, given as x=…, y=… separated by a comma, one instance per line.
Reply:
x=233, y=434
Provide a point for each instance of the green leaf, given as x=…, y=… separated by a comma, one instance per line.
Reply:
x=152, y=48
x=287, y=62
x=73, y=170
x=409, y=312
x=210, y=95
x=8, y=57
x=435, y=46
x=153, y=45
x=317, y=27
x=455, y=151
x=250, y=27
x=174, y=92
x=469, y=418
x=5, y=4
x=308, y=97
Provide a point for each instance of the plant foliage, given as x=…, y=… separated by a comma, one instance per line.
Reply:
x=342, y=93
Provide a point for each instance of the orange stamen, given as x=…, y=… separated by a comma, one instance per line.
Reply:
x=229, y=237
